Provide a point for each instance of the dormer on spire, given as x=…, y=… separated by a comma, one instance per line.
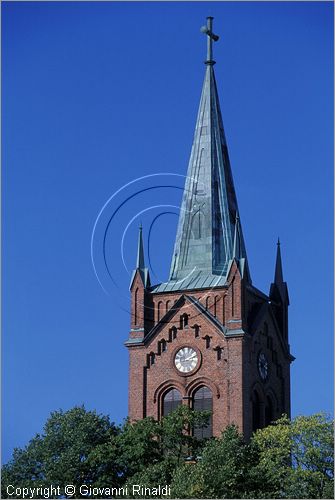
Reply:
x=238, y=253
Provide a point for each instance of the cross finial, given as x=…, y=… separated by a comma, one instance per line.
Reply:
x=210, y=37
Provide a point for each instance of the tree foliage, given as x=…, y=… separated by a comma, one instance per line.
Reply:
x=288, y=459
x=297, y=457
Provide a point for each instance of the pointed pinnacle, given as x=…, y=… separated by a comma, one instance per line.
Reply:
x=140, y=251
x=278, y=269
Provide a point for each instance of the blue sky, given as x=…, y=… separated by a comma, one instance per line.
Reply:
x=96, y=95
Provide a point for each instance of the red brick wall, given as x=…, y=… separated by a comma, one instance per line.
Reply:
x=232, y=379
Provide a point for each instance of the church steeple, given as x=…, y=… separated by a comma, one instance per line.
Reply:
x=204, y=243
x=194, y=336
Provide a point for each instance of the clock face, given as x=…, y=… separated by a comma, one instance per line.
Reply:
x=186, y=359
x=263, y=366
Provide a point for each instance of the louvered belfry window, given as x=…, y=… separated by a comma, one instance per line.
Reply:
x=171, y=401
x=203, y=401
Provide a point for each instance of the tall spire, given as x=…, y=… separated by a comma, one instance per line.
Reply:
x=207, y=223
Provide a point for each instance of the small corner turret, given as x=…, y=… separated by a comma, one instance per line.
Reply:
x=279, y=295
x=140, y=297
x=140, y=264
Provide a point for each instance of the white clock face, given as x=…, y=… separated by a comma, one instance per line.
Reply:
x=186, y=359
x=263, y=366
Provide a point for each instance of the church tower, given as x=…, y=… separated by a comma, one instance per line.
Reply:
x=208, y=338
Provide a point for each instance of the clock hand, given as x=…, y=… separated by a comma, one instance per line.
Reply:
x=191, y=357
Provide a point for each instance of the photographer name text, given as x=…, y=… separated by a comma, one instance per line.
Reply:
x=84, y=490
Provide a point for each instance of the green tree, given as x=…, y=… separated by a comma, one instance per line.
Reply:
x=221, y=471
x=164, y=447
x=76, y=447
x=177, y=440
x=297, y=457
x=288, y=459
x=174, y=444
x=139, y=446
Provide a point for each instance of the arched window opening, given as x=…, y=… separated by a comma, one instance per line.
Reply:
x=163, y=345
x=218, y=350
x=183, y=321
x=223, y=309
x=136, y=305
x=196, y=330
x=203, y=401
x=208, y=303
x=171, y=401
x=159, y=310
x=167, y=305
x=256, y=412
x=233, y=297
x=207, y=340
x=268, y=411
x=172, y=333
x=216, y=301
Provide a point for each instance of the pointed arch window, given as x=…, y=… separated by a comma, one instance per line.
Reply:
x=203, y=401
x=171, y=401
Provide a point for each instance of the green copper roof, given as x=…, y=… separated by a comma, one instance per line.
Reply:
x=209, y=234
x=195, y=280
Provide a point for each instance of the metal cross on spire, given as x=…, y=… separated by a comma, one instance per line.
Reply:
x=210, y=37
